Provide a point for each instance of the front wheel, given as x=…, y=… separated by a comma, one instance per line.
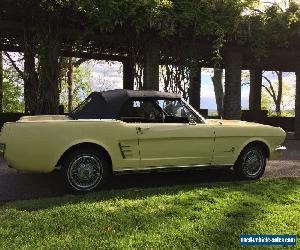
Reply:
x=251, y=163
x=85, y=170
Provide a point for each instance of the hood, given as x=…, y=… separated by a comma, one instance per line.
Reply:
x=44, y=118
x=232, y=123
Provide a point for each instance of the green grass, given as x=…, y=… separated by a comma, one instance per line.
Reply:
x=179, y=217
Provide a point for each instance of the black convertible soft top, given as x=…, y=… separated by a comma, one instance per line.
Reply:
x=107, y=104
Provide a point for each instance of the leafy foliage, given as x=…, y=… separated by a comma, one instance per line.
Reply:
x=216, y=21
x=219, y=21
x=13, y=99
x=272, y=27
x=82, y=86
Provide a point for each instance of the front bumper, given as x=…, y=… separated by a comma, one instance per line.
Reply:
x=277, y=152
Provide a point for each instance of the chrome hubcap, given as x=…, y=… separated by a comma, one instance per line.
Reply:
x=85, y=172
x=253, y=162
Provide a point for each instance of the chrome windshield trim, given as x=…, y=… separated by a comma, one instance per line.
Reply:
x=194, y=111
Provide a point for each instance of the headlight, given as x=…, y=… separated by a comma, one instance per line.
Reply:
x=2, y=149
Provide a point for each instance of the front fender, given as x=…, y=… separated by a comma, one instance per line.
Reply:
x=249, y=141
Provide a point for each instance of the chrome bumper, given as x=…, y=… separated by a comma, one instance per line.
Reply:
x=277, y=153
x=2, y=149
x=280, y=149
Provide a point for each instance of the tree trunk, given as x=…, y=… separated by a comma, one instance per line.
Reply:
x=255, y=89
x=232, y=97
x=151, y=66
x=1, y=82
x=128, y=72
x=49, y=70
x=219, y=92
x=279, y=95
x=30, y=75
x=31, y=83
x=70, y=84
x=195, y=87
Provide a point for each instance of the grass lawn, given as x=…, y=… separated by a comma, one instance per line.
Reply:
x=205, y=216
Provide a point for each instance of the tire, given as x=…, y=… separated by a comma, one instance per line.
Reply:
x=251, y=163
x=85, y=170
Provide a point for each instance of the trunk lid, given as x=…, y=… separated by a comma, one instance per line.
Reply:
x=38, y=118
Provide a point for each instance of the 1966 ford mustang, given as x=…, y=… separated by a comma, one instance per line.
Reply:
x=119, y=131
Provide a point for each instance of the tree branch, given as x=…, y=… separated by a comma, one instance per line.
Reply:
x=20, y=72
x=271, y=87
x=269, y=92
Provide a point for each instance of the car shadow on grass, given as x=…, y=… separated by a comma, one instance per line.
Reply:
x=250, y=195
x=21, y=186
x=161, y=179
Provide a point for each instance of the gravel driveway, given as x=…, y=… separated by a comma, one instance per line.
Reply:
x=16, y=186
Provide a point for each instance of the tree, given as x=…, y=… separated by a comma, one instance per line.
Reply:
x=275, y=91
x=287, y=95
x=48, y=58
x=218, y=88
x=176, y=79
x=71, y=63
x=30, y=77
x=78, y=88
x=266, y=101
x=13, y=99
x=12, y=87
x=70, y=84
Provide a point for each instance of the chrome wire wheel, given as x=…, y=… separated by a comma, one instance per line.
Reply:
x=85, y=172
x=253, y=162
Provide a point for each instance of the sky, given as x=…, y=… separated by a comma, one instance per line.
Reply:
x=282, y=3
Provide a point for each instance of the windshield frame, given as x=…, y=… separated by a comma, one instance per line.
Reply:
x=194, y=111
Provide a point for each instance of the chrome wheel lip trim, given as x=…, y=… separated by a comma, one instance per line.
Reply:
x=73, y=181
x=260, y=161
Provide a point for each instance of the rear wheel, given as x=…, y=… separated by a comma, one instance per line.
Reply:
x=85, y=170
x=251, y=163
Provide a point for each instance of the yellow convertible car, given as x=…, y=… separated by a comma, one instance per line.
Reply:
x=120, y=131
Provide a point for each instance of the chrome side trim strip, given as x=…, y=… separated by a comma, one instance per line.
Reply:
x=169, y=168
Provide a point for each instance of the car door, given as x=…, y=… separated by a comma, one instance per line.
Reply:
x=175, y=141
x=175, y=144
